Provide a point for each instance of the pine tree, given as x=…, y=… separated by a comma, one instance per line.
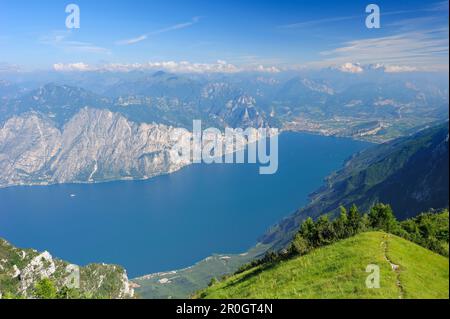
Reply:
x=354, y=219
x=307, y=230
x=382, y=218
x=325, y=233
x=340, y=224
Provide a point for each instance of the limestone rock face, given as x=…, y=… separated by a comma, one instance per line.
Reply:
x=41, y=266
x=94, y=146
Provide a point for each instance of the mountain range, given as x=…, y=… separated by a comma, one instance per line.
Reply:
x=375, y=106
x=59, y=133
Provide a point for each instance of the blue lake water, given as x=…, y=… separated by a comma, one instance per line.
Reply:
x=172, y=221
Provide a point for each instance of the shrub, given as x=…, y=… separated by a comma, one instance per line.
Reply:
x=381, y=217
x=300, y=245
x=45, y=289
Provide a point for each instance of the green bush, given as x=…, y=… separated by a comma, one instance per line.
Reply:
x=382, y=217
x=45, y=289
x=300, y=245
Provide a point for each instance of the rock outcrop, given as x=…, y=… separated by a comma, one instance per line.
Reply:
x=22, y=269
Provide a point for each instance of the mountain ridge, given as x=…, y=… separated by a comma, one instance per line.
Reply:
x=376, y=175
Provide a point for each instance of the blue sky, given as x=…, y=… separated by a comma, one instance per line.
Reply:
x=243, y=33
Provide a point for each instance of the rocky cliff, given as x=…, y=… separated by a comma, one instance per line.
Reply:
x=94, y=146
x=22, y=269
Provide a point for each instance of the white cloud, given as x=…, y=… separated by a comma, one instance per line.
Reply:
x=399, y=68
x=177, y=67
x=333, y=20
x=268, y=69
x=218, y=67
x=425, y=50
x=61, y=40
x=358, y=68
x=310, y=23
x=350, y=68
x=80, y=66
x=178, y=26
x=170, y=66
x=143, y=37
x=394, y=68
x=133, y=40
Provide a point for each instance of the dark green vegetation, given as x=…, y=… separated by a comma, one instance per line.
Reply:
x=339, y=271
x=430, y=230
x=26, y=273
x=47, y=289
x=411, y=174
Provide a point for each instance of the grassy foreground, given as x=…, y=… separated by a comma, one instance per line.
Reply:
x=339, y=271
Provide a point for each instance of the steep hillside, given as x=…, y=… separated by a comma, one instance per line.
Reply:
x=339, y=271
x=21, y=270
x=411, y=174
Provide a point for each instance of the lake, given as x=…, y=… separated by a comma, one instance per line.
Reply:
x=172, y=221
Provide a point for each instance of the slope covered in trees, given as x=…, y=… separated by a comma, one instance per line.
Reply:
x=410, y=173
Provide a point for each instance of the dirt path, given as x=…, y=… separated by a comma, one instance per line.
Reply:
x=395, y=268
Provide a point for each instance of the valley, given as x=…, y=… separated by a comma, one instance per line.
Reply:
x=191, y=150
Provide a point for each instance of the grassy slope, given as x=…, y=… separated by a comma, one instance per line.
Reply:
x=338, y=271
x=423, y=274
